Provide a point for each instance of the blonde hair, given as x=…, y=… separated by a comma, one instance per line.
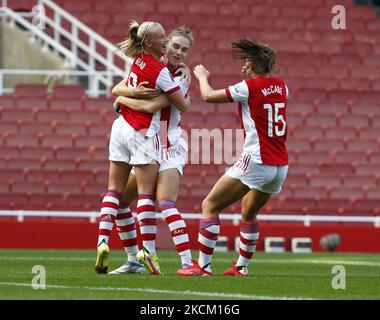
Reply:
x=138, y=33
x=182, y=31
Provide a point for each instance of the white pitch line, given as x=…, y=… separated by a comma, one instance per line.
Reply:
x=160, y=291
x=260, y=261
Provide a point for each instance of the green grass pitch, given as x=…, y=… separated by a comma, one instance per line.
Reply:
x=70, y=275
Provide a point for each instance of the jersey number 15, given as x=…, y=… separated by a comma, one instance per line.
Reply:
x=274, y=119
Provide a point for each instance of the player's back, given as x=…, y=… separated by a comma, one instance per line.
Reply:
x=266, y=106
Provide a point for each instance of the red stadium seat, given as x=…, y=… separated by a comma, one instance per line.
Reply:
x=50, y=115
x=38, y=175
x=14, y=152
x=68, y=91
x=362, y=144
x=7, y=102
x=7, y=174
x=63, y=103
x=354, y=120
x=63, y=128
x=60, y=164
x=346, y=192
x=98, y=104
x=83, y=141
x=299, y=205
x=22, y=140
x=62, y=152
x=97, y=188
x=333, y=206
x=30, y=127
x=296, y=179
x=15, y=115
x=368, y=133
x=300, y=144
x=339, y=132
x=307, y=132
x=321, y=119
x=14, y=201
x=9, y=126
x=323, y=180
x=336, y=168
x=349, y=156
x=366, y=206
x=23, y=163
x=31, y=90
x=27, y=186
x=93, y=164
x=368, y=169
x=328, y=144
x=311, y=157
x=83, y=116
x=52, y=140
x=355, y=180
x=57, y=187
x=76, y=175
x=309, y=192
x=29, y=103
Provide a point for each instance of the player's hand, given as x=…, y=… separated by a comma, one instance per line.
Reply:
x=200, y=71
x=142, y=92
x=116, y=106
x=185, y=74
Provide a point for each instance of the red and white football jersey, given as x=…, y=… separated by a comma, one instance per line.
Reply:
x=262, y=109
x=146, y=68
x=171, y=115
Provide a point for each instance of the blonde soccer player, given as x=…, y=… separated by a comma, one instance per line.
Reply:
x=171, y=168
x=134, y=137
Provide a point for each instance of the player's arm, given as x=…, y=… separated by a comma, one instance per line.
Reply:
x=144, y=105
x=172, y=90
x=208, y=93
x=140, y=92
x=179, y=100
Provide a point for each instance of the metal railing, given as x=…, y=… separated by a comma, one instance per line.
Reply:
x=65, y=41
x=307, y=220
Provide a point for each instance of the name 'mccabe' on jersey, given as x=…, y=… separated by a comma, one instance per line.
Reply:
x=146, y=68
x=262, y=110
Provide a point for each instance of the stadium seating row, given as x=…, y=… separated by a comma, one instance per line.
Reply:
x=53, y=141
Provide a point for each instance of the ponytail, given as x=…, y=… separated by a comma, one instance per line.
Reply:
x=134, y=44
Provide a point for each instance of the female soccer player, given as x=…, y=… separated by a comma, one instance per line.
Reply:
x=170, y=171
x=134, y=136
x=262, y=167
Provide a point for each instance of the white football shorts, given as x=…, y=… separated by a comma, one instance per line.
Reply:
x=265, y=178
x=133, y=147
x=173, y=158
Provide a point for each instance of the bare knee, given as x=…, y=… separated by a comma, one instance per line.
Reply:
x=209, y=207
x=248, y=213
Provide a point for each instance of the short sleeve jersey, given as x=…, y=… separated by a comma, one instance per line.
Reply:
x=146, y=68
x=171, y=116
x=262, y=110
